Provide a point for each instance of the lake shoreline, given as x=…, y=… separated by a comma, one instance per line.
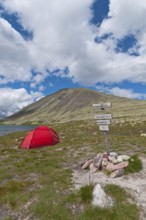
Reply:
x=6, y=129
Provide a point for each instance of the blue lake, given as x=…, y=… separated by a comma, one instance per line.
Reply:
x=5, y=129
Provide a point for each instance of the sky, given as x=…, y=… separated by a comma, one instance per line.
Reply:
x=49, y=45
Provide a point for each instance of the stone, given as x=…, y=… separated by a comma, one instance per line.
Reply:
x=97, y=160
x=105, y=163
x=105, y=156
x=100, y=198
x=112, y=158
x=117, y=173
x=143, y=134
x=124, y=157
x=111, y=167
x=93, y=169
x=116, y=161
x=86, y=164
x=113, y=154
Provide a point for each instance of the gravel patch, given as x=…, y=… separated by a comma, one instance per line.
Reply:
x=134, y=183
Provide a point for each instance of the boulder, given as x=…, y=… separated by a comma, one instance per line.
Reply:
x=111, y=167
x=97, y=160
x=100, y=198
x=93, y=169
x=124, y=157
x=105, y=156
x=116, y=161
x=112, y=158
x=86, y=164
x=104, y=163
x=113, y=154
x=117, y=173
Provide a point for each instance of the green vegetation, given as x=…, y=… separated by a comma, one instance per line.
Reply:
x=121, y=212
x=86, y=193
x=135, y=165
x=118, y=193
x=122, y=209
x=38, y=182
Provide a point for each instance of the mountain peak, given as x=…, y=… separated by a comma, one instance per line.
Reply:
x=74, y=104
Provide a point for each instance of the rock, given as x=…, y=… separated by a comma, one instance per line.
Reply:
x=100, y=198
x=113, y=154
x=105, y=159
x=97, y=160
x=118, y=160
x=112, y=158
x=117, y=173
x=143, y=134
x=104, y=163
x=111, y=167
x=105, y=156
x=86, y=164
x=93, y=169
x=124, y=157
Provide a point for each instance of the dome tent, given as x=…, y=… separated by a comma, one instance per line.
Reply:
x=41, y=136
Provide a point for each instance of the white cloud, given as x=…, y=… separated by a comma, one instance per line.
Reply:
x=129, y=93
x=41, y=88
x=12, y=100
x=51, y=84
x=125, y=17
x=33, y=85
x=14, y=56
x=38, y=78
x=36, y=95
x=63, y=36
x=117, y=91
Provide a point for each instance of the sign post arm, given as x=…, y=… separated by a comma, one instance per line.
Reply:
x=103, y=120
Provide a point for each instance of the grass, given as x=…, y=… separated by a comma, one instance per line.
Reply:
x=135, y=165
x=86, y=193
x=44, y=175
x=118, y=193
x=121, y=210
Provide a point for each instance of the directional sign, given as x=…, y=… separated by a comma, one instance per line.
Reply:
x=103, y=116
x=103, y=122
x=103, y=128
x=102, y=105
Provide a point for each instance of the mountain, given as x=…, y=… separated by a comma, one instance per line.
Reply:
x=76, y=104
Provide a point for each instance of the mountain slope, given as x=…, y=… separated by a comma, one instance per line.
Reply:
x=76, y=104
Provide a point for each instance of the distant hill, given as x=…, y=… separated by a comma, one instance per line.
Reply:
x=76, y=104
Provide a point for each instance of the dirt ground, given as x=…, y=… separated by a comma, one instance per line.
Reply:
x=134, y=183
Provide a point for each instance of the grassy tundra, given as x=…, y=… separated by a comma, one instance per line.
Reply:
x=37, y=184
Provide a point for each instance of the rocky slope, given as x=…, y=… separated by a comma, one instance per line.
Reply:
x=76, y=104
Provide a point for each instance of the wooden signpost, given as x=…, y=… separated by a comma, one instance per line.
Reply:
x=102, y=105
x=104, y=128
x=103, y=120
x=103, y=116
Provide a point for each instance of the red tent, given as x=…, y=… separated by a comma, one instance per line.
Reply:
x=40, y=137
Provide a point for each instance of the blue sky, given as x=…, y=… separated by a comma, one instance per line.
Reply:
x=46, y=46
